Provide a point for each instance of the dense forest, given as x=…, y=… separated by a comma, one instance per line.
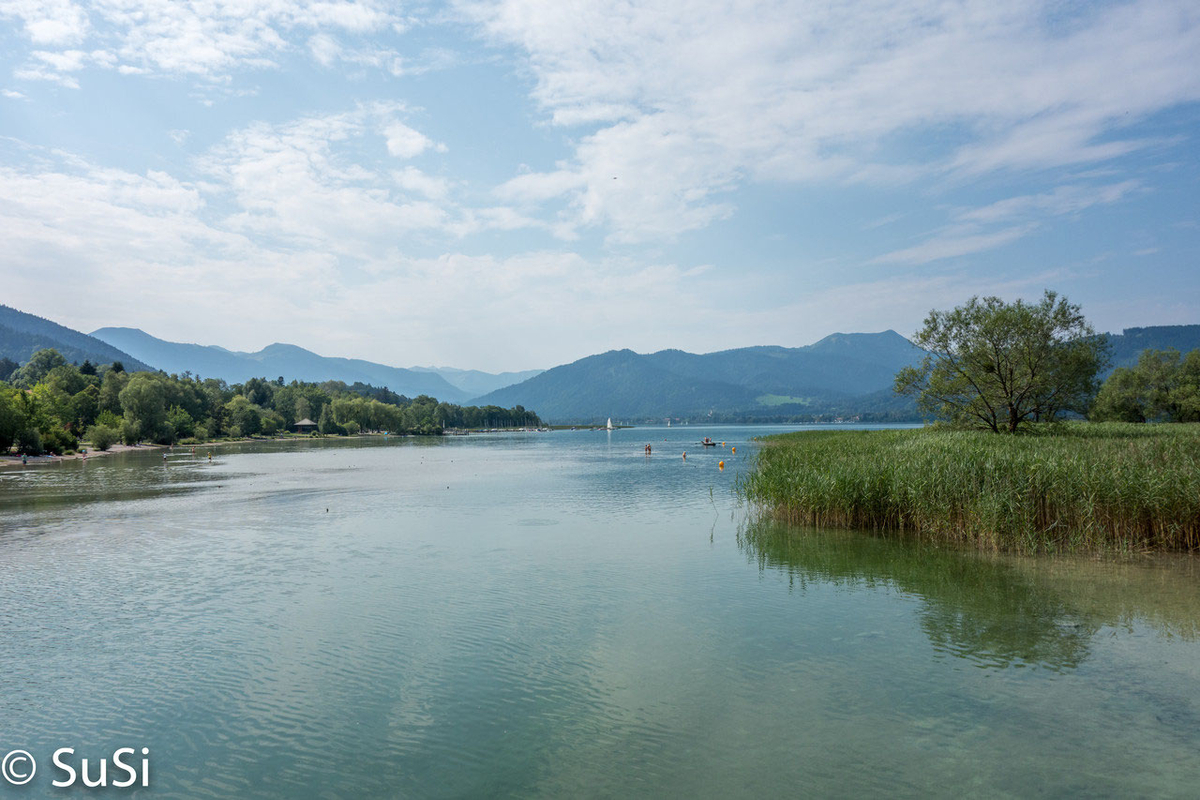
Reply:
x=49, y=405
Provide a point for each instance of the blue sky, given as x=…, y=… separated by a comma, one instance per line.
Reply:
x=517, y=184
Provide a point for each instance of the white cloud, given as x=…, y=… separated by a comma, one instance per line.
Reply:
x=325, y=49
x=48, y=22
x=686, y=102
x=1062, y=200
x=305, y=184
x=414, y=180
x=404, y=142
x=33, y=73
x=1021, y=215
x=127, y=241
x=953, y=243
x=206, y=39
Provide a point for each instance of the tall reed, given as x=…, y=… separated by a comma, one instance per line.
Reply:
x=1076, y=486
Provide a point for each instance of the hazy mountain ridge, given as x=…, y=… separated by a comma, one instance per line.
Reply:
x=764, y=381
x=22, y=334
x=843, y=374
x=476, y=382
x=289, y=360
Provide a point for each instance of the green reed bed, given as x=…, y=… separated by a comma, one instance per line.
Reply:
x=1077, y=486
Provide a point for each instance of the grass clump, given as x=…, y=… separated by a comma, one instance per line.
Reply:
x=1109, y=486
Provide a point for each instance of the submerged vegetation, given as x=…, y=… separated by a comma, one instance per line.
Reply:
x=1103, y=486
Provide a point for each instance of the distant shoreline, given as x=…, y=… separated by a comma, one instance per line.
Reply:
x=15, y=460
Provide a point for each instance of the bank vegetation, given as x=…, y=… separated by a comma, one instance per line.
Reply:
x=1067, y=486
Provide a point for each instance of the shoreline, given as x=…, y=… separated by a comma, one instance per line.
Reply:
x=15, y=460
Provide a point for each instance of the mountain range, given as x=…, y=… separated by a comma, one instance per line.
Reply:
x=842, y=375
x=286, y=360
x=22, y=334
x=475, y=382
x=749, y=382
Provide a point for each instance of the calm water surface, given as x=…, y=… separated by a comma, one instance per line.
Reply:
x=559, y=615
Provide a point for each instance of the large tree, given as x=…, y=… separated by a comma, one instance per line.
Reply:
x=144, y=402
x=999, y=365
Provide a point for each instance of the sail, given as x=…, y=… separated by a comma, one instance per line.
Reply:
x=610, y=423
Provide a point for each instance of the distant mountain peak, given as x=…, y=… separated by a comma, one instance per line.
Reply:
x=22, y=334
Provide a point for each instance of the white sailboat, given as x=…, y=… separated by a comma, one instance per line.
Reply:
x=610, y=423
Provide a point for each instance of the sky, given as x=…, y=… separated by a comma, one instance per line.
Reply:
x=520, y=183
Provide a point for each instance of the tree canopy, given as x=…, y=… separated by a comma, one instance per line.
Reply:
x=64, y=403
x=999, y=365
x=1163, y=387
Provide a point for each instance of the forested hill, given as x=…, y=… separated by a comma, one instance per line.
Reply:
x=21, y=335
x=752, y=382
x=843, y=375
x=1128, y=345
x=287, y=360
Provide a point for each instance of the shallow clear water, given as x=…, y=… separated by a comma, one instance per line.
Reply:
x=559, y=615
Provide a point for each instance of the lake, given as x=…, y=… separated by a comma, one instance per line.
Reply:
x=557, y=614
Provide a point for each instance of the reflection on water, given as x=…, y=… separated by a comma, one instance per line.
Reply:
x=972, y=607
x=560, y=615
x=995, y=610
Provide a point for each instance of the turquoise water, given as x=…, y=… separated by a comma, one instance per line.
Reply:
x=559, y=615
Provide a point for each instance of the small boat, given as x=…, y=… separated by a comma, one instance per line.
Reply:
x=610, y=427
x=709, y=444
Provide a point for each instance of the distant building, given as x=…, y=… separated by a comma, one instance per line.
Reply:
x=305, y=425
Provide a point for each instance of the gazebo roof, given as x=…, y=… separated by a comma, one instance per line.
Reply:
x=305, y=421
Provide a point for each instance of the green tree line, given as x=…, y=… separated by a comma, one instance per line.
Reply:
x=1000, y=366
x=49, y=404
x=1164, y=386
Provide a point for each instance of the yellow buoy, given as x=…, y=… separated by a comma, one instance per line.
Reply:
x=735, y=451
x=721, y=465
